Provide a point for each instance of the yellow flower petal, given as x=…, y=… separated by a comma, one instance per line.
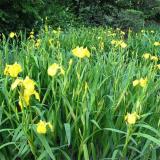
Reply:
x=135, y=82
x=143, y=82
x=29, y=85
x=70, y=62
x=12, y=35
x=50, y=126
x=16, y=83
x=158, y=66
x=81, y=52
x=123, y=45
x=113, y=42
x=120, y=43
x=156, y=43
x=146, y=55
x=131, y=118
x=13, y=70
x=154, y=58
x=41, y=127
x=62, y=71
x=37, y=95
x=53, y=69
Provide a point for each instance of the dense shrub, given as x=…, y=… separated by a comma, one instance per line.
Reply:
x=15, y=14
x=59, y=15
x=121, y=13
x=131, y=19
x=18, y=15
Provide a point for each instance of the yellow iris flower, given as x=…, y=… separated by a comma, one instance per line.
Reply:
x=13, y=70
x=81, y=52
x=12, y=35
x=146, y=55
x=28, y=89
x=53, y=69
x=42, y=127
x=156, y=43
x=131, y=118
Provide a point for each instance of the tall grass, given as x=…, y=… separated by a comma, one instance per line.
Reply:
x=88, y=104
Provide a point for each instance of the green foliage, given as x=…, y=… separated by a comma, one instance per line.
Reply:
x=87, y=105
x=19, y=15
x=130, y=19
x=15, y=14
x=59, y=15
x=122, y=13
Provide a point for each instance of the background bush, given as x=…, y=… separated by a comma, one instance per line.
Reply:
x=59, y=14
x=122, y=13
x=17, y=15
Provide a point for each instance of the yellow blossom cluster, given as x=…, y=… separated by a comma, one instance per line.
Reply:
x=119, y=43
x=149, y=56
x=110, y=33
x=81, y=52
x=120, y=31
x=131, y=118
x=42, y=127
x=37, y=43
x=141, y=82
x=31, y=36
x=27, y=86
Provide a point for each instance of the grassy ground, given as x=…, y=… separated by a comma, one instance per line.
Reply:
x=88, y=106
